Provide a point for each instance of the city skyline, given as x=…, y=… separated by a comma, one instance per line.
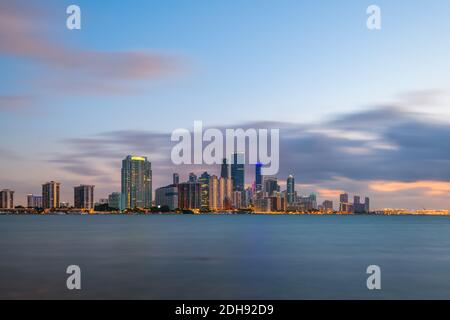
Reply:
x=358, y=111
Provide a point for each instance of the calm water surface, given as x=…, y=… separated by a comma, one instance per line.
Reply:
x=224, y=257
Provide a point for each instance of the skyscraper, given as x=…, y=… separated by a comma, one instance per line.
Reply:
x=238, y=172
x=176, y=179
x=189, y=195
x=167, y=196
x=6, y=199
x=258, y=177
x=204, y=190
x=344, y=205
x=225, y=193
x=290, y=190
x=34, y=201
x=84, y=197
x=213, y=193
x=270, y=186
x=224, y=169
x=136, y=183
x=50, y=195
x=114, y=200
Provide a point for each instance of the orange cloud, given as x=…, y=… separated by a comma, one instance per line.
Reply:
x=330, y=193
x=431, y=188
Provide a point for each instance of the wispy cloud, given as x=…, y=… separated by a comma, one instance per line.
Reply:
x=15, y=103
x=433, y=188
x=25, y=34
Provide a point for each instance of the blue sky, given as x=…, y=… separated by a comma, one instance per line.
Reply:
x=304, y=62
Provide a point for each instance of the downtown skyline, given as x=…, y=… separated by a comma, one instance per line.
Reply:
x=358, y=111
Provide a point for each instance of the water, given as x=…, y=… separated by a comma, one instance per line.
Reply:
x=224, y=257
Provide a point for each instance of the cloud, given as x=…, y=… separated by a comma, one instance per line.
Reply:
x=15, y=102
x=396, y=146
x=26, y=34
x=430, y=187
x=329, y=193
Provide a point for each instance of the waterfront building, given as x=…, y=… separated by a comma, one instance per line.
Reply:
x=344, y=205
x=167, y=196
x=214, y=193
x=114, y=200
x=270, y=186
x=328, y=206
x=225, y=194
x=359, y=207
x=83, y=196
x=50, y=195
x=189, y=195
x=204, y=191
x=34, y=201
x=290, y=190
x=136, y=183
x=237, y=199
x=6, y=199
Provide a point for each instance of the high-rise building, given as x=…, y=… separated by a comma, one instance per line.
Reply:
x=270, y=186
x=359, y=207
x=167, y=196
x=367, y=205
x=204, y=190
x=136, y=183
x=344, y=205
x=225, y=193
x=176, y=179
x=237, y=199
x=50, y=195
x=214, y=193
x=6, y=199
x=238, y=171
x=83, y=196
x=258, y=177
x=327, y=205
x=114, y=200
x=290, y=190
x=189, y=195
x=224, y=169
x=34, y=201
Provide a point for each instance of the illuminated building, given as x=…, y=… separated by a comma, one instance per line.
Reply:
x=136, y=183
x=290, y=190
x=204, y=190
x=214, y=193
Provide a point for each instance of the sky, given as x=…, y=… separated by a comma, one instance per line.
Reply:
x=359, y=110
